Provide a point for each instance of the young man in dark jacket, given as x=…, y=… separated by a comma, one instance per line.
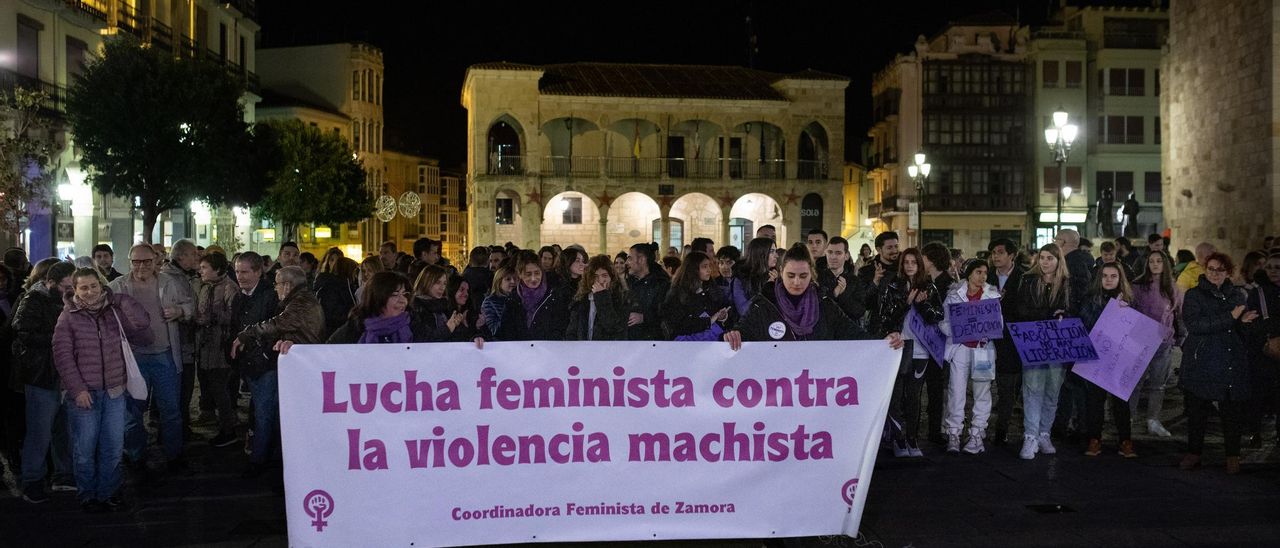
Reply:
x=256, y=360
x=840, y=281
x=1006, y=275
x=649, y=286
x=882, y=270
x=33, y=321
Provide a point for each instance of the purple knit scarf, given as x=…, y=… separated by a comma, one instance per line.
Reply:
x=395, y=327
x=801, y=317
x=531, y=298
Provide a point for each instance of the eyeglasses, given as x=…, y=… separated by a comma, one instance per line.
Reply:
x=140, y=262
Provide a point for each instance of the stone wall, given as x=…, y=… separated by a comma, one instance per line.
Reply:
x=1220, y=123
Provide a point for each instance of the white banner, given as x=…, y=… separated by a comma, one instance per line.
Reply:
x=444, y=444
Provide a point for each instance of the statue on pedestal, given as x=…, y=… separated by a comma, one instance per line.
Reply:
x=1129, y=227
x=1106, y=205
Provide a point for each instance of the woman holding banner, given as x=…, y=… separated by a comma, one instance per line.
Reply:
x=502, y=311
x=1156, y=296
x=599, y=309
x=546, y=307
x=1110, y=283
x=911, y=289
x=972, y=363
x=1043, y=295
x=1215, y=365
x=695, y=309
x=382, y=315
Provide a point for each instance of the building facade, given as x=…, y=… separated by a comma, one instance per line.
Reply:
x=963, y=99
x=608, y=155
x=44, y=44
x=1219, y=112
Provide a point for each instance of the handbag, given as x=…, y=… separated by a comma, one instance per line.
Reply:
x=1270, y=348
x=983, y=363
x=134, y=384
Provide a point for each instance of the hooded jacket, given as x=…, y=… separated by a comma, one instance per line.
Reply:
x=86, y=344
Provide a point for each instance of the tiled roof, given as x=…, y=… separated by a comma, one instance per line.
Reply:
x=295, y=96
x=504, y=65
x=650, y=80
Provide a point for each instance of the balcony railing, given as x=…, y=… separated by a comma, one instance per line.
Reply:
x=505, y=165
x=161, y=33
x=576, y=166
x=654, y=168
x=128, y=20
x=57, y=100
x=975, y=202
x=811, y=169
x=634, y=167
x=974, y=102
x=87, y=9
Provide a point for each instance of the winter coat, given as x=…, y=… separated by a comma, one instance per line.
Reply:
x=1266, y=371
x=434, y=315
x=550, y=316
x=213, y=316
x=1035, y=301
x=874, y=290
x=610, y=321
x=300, y=320
x=353, y=329
x=1149, y=300
x=647, y=295
x=504, y=318
x=1080, y=275
x=1214, y=358
x=337, y=298
x=832, y=324
x=853, y=300
x=1007, y=360
x=479, y=279
x=255, y=356
x=689, y=318
x=175, y=292
x=893, y=308
x=960, y=294
x=33, y=323
x=87, y=346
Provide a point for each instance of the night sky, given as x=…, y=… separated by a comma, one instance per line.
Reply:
x=427, y=50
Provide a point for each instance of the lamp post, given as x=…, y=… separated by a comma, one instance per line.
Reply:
x=1059, y=138
x=919, y=173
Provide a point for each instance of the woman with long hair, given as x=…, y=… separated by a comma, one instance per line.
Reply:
x=1044, y=295
x=695, y=309
x=368, y=267
x=972, y=363
x=911, y=289
x=1109, y=284
x=503, y=314
x=335, y=288
x=1250, y=267
x=382, y=316
x=1215, y=366
x=1159, y=298
x=757, y=268
x=546, y=310
x=599, y=308
x=570, y=264
x=431, y=304
x=471, y=328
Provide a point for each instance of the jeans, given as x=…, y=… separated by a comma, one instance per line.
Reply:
x=1152, y=383
x=1008, y=386
x=97, y=438
x=1096, y=412
x=1040, y=387
x=957, y=388
x=266, y=411
x=213, y=384
x=163, y=383
x=46, y=429
x=1198, y=418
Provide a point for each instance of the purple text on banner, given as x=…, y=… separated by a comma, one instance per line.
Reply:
x=1126, y=340
x=975, y=321
x=1052, y=341
x=929, y=335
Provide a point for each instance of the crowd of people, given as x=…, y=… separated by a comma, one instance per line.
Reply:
x=73, y=331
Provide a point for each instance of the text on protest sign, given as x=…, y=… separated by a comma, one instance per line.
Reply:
x=1125, y=340
x=929, y=335
x=975, y=321
x=554, y=441
x=1052, y=341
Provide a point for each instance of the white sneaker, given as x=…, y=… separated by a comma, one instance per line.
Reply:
x=953, y=443
x=1029, y=448
x=900, y=449
x=974, y=445
x=914, y=449
x=1046, y=446
x=1154, y=427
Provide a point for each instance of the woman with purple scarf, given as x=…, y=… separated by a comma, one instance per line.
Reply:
x=382, y=316
x=546, y=308
x=794, y=309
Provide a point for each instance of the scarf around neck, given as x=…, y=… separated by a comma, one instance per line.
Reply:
x=92, y=306
x=393, y=330
x=800, y=316
x=531, y=298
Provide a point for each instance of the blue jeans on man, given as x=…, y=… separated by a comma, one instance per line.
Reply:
x=163, y=383
x=97, y=439
x=46, y=429
x=266, y=413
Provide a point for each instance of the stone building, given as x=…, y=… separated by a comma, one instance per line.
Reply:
x=1221, y=150
x=607, y=155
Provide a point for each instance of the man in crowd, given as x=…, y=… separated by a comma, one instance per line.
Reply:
x=255, y=303
x=477, y=274
x=1006, y=275
x=705, y=245
x=167, y=297
x=816, y=241
x=185, y=264
x=649, y=286
x=426, y=252
x=497, y=254
x=289, y=256
x=1111, y=255
x=1190, y=276
x=105, y=258
x=387, y=253
x=839, y=279
x=767, y=231
x=882, y=270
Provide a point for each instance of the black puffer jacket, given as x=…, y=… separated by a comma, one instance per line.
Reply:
x=647, y=295
x=832, y=324
x=1215, y=363
x=691, y=316
x=853, y=299
x=33, y=321
x=611, y=317
x=337, y=298
x=893, y=307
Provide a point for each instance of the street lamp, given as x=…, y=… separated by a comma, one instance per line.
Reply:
x=1059, y=138
x=919, y=173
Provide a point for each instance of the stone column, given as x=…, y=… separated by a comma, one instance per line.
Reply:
x=531, y=225
x=724, y=226
x=665, y=231
x=604, y=229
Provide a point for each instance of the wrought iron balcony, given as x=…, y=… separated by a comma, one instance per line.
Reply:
x=635, y=167
x=975, y=202
x=505, y=165
x=811, y=169
x=57, y=95
x=87, y=9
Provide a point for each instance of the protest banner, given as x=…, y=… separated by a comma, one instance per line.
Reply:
x=975, y=321
x=929, y=335
x=1125, y=340
x=445, y=444
x=1052, y=341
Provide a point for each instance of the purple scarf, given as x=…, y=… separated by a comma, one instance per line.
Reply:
x=800, y=317
x=531, y=298
x=393, y=330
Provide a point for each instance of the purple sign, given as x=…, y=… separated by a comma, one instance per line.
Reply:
x=928, y=335
x=1052, y=341
x=1126, y=340
x=975, y=321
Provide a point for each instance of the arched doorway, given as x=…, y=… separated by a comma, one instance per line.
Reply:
x=507, y=222
x=571, y=218
x=758, y=152
x=631, y=218
x=633, y=149
x=699, y=215
x=693, y=149
x=751, y=212
x=506, y=137
x=813, y=152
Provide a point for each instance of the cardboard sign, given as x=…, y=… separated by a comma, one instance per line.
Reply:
x=1052, y=341
x=975, y=321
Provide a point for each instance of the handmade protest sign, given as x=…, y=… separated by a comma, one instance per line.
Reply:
x=1125, y=340
x=975, y=321
x=929, y=335
x=445, y=444
x=1052, y=341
